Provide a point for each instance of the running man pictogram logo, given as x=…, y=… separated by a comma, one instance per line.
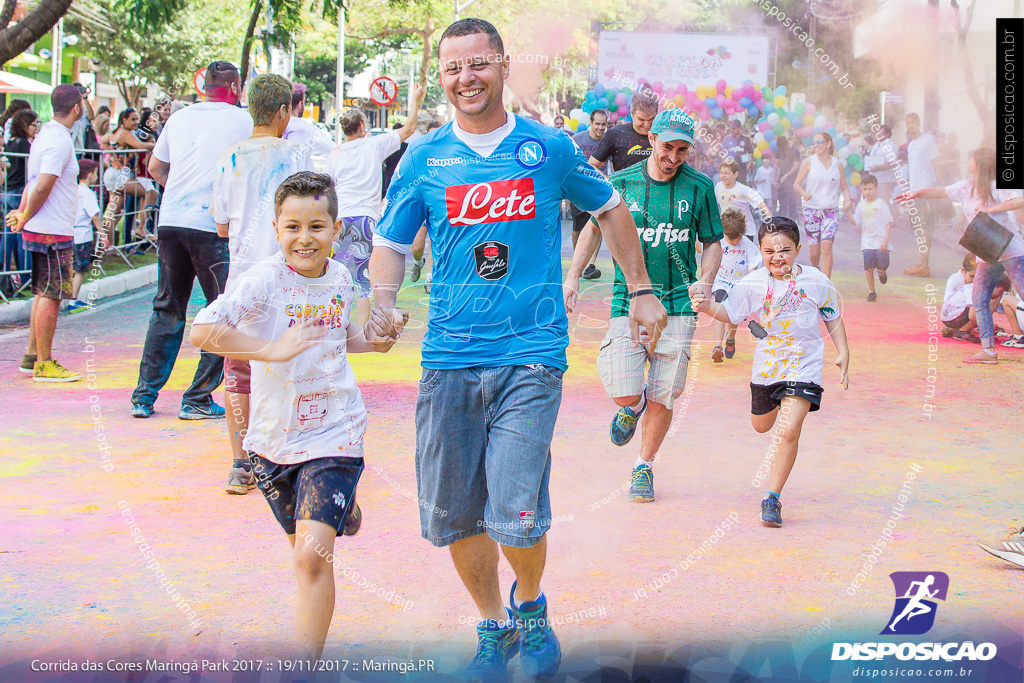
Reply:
x=914, y=611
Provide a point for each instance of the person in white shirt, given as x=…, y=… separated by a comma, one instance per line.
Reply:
x=957, y=314
x=922, y=166
x=308, y=416
x=303, y=131
x=356, y=166
x=763, y=180
x=739, y=257
x=786, y=377
x=882, y=163
x=820, y=182
x=184, y=162
x=247, y=176
x=874, y=218
x=732, y=193
x=87, y=225
x=46, y=219
x=978, y=194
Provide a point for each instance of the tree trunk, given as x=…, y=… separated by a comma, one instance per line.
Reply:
x=428, y=52
x=962, y=29
x=7, y=13
x=257, y=10
x=16, y=39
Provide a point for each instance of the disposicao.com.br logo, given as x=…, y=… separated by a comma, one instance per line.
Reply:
x=914, y=614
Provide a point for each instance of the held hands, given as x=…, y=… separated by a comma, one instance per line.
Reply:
x=843, y=363
x=700, y=296
x=384, y=327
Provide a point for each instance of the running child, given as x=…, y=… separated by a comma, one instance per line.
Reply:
x=739, y=257
x=874, y=218
x=790, y=353
x=746, y=199
x=243, y=187
x=764, y=178
x=87, y=225
x=289, y=317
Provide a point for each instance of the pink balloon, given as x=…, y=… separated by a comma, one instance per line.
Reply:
x=763, y=126
x=748, y=91
x=720, y=86
x=722, y=99
x=657, y=86
x=622, y=111
x=808, y=109
x=681, y=89
x=757, y=96
x=737, y=94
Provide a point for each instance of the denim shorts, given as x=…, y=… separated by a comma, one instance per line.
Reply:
x=483, y=452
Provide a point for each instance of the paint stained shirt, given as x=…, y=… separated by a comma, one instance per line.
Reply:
x=794, y=350
x=737, y=261
x=192, y=141
x=310, y=406
x=244, y=184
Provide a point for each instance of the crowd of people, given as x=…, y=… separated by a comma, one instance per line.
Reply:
x=300, y=268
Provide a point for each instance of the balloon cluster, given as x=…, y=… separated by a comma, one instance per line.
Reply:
x=774, y=115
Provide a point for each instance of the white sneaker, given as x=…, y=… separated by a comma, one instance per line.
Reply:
x=429, y=283
x=1010, y=549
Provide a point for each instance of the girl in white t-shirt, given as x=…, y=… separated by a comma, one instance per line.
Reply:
x=978, y=193
x=786, y=374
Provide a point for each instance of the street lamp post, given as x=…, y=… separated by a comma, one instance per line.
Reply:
x=339, y=87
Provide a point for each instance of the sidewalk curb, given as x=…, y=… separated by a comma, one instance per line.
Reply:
x=17, y=312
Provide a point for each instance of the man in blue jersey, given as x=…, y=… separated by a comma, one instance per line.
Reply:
x=488, y=185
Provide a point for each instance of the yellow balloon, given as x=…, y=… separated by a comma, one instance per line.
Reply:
x=808, y=120
x=763, y=144
x=574, y=123
x=728, y=91
x=785, y=123
x=855, y=178
x=757, y=154
x=700, y=92
x=779, y=100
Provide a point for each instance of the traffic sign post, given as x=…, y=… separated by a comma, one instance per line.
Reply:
x=383, y=91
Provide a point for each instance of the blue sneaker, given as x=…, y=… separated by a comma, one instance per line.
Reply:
x=771, y=511
x=495, y=646
x=141, y=410
x=624, y=424
x=540, y=652
x=74, y=306
x=210, y=412
x=641, y=489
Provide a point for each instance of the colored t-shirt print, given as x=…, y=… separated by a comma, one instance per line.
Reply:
x=737, y=261
x=495, y=235
x=308, y=407
x=670, y=218
x=794, y=350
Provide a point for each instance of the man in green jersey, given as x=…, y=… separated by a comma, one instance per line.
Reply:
x=673, y=207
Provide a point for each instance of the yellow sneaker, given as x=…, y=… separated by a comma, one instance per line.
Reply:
x=52, y=371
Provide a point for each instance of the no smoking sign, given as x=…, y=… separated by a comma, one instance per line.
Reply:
x=383, y=91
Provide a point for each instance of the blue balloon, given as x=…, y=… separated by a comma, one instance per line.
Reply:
x=747, y=82
x=769, y=134
x=591, y=95
x=589, y=106
x=795, y=118
x=781, y=90
x=840, y=142
x=582, y=127
x=711, y=102
x=768, y=108
x=773, y=145
x=745, y=102
x=752, y=110
x=599, y=90
x=718, y=112
x=832, y=132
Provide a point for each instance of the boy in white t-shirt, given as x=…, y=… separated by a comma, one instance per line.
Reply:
x=874, y=218
x=763, y=179
x=790, y=353
x=746, y=199
x=739, y=257
x=958, y=316
x=247, y=175
x=87, y=222
x=290, y=317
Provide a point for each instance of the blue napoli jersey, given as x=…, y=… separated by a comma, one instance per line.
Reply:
x=494, y=227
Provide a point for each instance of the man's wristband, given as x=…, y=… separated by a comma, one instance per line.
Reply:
x=640, y=292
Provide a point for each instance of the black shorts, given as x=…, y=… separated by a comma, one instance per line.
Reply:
x=322, y=490
x=766, y=398
x=579, y=219
x=720, y=295
x=82, y=257
x=959, y=321
x=876, y=258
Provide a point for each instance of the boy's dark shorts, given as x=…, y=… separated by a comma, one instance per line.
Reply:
x=236, y=376
x=766, y=398
x=876, y=258
x=322, y=490
x=959, y=321
x=82, y=257
x=51, y=273
x=720, y=295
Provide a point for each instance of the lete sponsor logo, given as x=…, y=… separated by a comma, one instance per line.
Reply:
x=495, y=202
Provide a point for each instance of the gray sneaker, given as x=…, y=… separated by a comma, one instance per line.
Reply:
x=240, y=482
x=417, y=268
x=28, y=364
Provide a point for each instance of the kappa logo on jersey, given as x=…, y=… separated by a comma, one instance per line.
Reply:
x=450, y=161
x=530, y=153
x=914, y=613
x=493, y=202
x=491, y=260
